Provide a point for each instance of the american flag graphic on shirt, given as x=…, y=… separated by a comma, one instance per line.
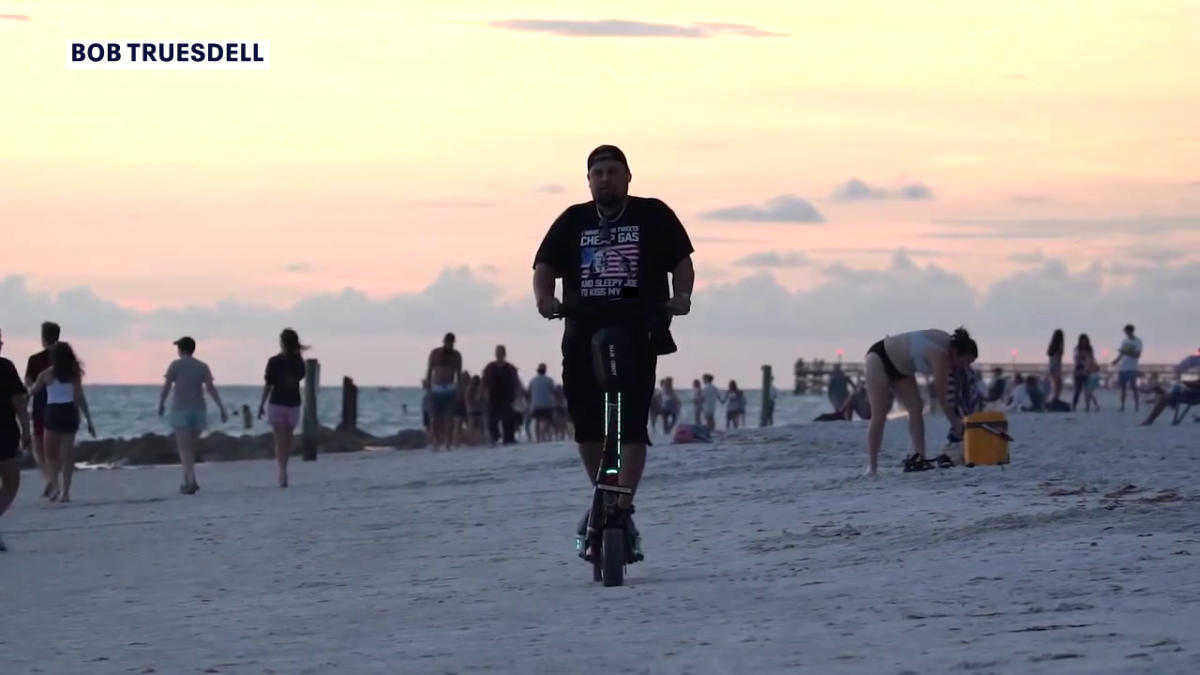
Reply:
x=608, y=262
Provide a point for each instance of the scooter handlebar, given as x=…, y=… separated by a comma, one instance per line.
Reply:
x=612, y=310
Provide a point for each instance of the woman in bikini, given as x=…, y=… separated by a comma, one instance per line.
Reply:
x=891, y=366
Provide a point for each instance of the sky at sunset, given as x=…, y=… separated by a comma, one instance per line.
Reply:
x=845, y=170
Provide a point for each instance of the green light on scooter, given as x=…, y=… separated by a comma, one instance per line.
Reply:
x=619, y=436
x=610, y=472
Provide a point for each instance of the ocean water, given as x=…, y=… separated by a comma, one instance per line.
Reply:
x=129, y=411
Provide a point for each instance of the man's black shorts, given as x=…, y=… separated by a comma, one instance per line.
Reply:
x=585, y=396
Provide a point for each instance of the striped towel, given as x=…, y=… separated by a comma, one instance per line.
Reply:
x=964, y=393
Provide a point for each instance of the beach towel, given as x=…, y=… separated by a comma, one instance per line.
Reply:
x=692, y=433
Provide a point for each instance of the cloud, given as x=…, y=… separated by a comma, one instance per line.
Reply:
x=1156, y=254
x=915, y=191
x=774, y=259
x=736, y=325
x=625, y=28
x=456, y=297
x=15, y=17
x=725, y=240
x=739, y=29
x=87, y=314
x=1014, y=76
x=551, y=189
x=782, y=209
x=857, y=306
x=1062, y=228
x=299, y=268
x=879, y=250
x=855, y=190
x=1031, y=199
x=1034, y=258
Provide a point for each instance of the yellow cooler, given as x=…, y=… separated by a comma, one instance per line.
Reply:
x=985, y=440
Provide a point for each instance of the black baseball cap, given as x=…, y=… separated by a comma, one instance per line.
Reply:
x=604, y=152
x=187, y=344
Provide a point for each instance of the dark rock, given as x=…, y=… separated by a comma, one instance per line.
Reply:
x=218, y=446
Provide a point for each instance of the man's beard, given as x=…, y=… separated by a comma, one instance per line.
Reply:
x=608, y=199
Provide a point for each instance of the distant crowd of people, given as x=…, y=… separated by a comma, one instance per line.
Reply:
x=666, y=406
x=1043, y=392
x=496, y=406
x=463, y=409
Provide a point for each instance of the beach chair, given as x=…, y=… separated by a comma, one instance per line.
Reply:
x=1183, y=400
x=1183, y=406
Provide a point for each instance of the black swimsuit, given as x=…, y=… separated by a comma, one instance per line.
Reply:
x=890, y=368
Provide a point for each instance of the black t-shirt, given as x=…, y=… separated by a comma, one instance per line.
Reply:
x=34, y=367
x=284, y=373
x=10, y=386
x=644, y=245
x=500, y=380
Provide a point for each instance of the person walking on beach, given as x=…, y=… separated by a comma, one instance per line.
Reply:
x=655, y=407
x=65, y=400
x=475, y=400
x=541, y=400
x=711, y=398
x=520, y=408
x=1084, y=358
x=500, y=382
x=1127, y=366
x=190, y=377
x=1055, y=354
x=697, y=402
x=891, y=365
x=443, y=375
x=640, y=242
x=14, y=432
x=281, y=396
x=670, y=404
x=34, y=367
x=735, y=406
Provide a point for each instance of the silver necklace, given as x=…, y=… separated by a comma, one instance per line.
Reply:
x=605, y=223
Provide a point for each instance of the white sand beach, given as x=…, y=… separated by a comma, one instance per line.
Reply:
x=766, y=552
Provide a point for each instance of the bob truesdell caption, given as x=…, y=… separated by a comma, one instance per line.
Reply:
x=160, y=54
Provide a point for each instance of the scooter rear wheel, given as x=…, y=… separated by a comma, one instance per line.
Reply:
x=613, y=555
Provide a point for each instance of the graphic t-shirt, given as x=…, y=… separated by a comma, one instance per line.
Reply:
x=627, y=261
x=1128, y=362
